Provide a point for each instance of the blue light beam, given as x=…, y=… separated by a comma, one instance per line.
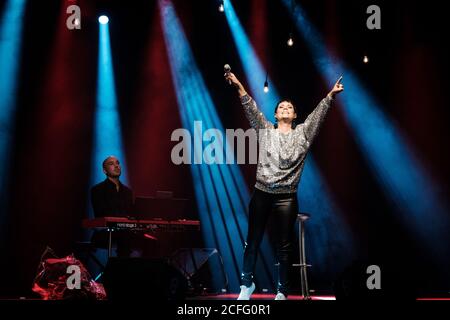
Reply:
x=220, y=189
x=387, y=151
x=107, y=127
x=11, y=25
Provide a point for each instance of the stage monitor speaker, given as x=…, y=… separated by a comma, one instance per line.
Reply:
x=138, y=279
x=397, y=282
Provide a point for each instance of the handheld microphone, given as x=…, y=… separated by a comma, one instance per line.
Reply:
x=227, y=69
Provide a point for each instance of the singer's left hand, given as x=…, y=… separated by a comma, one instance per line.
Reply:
x=337, y=88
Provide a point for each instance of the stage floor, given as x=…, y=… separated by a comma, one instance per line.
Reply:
x=257, y=296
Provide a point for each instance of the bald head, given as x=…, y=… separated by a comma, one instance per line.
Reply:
x=111, y=167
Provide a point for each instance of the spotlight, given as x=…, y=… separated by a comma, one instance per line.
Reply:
x=290, y=41
x=103, y=19
x=266, y=86
x=221, y=8
x=365, y=59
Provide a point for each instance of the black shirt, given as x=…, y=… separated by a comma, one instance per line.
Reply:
x=108, y=202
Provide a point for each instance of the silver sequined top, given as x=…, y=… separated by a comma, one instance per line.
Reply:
x=282, y=155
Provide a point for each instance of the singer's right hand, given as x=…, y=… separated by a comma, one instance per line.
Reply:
x=231, y=78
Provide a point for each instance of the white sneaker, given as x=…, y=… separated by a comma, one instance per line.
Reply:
x=280, y=296
x=246, y=292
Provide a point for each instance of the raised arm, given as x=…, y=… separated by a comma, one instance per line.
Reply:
x=254, y=115
x=314, y=120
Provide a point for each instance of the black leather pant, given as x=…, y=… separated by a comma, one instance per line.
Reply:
x=284, y=207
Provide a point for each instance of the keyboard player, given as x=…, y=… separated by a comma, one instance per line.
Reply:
x=112, y=198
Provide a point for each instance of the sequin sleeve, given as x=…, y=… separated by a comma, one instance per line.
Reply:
x=314, y=120
x=254, y=115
